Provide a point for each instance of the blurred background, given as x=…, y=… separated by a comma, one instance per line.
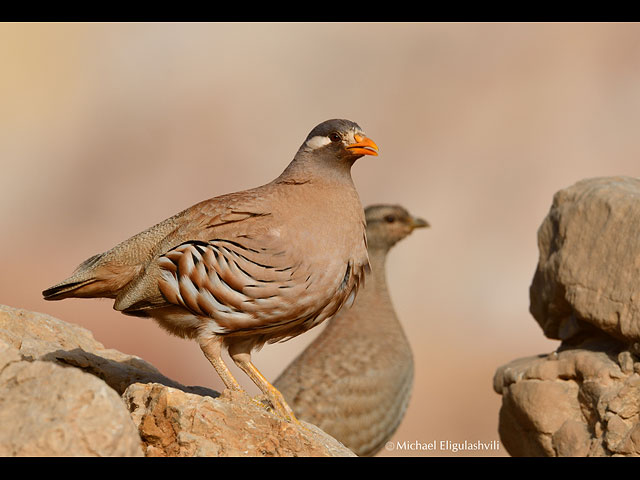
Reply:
x=107, y=129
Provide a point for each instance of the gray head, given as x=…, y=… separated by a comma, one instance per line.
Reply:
x=388, y=224
x=343, y=139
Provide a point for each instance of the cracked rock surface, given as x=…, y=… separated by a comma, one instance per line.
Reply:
x=588, y=273
x=62, y=393
x=581, y=401
x=584, y=398
x=172, y=422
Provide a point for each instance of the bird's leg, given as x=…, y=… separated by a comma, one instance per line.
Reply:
x=212, y=349
x=243, y=360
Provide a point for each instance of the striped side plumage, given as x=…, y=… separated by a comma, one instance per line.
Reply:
x=225, y=281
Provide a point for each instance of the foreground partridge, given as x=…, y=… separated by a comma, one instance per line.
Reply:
x=247, y=268
x=354, y=380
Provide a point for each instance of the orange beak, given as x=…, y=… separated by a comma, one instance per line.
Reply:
x=363, y=146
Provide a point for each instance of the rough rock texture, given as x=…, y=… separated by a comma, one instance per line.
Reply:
x=63, y=393
x=49, y=409
x=588, y=272
x=582, y=401
x=584, y=398
x=175, y=423
x=38, y=336
x=46, y=409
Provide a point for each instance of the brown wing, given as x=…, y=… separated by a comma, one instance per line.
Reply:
x=247, y=289
x=227, y=282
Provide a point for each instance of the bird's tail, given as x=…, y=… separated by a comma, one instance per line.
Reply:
x=95, y=277
x=68, y=289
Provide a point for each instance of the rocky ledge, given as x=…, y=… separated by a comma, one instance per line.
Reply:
x=63, y=394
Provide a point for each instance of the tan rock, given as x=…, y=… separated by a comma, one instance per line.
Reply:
x=174, y=423
x=584, y=399
x=49, y=410
x=41, y=336
x=572, y=439
x=63, y=393
x=588, y=272
x=574, y=402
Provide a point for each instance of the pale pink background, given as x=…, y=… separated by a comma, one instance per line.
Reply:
x=106, y=129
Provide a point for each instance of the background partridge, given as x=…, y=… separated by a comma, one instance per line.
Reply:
x=354, y=380
x=247, y=268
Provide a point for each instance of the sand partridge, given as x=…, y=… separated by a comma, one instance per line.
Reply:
x=247, y=268
x=354, y=380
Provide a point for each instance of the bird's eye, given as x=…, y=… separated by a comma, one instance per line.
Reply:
x=335, y=137
x=390, y=218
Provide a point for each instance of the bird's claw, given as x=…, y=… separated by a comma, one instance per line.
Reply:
x=281, y=409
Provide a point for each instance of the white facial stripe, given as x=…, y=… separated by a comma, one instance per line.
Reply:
x=317, y=142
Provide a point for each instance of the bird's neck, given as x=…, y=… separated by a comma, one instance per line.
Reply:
x=378, y=277
x=303, y=169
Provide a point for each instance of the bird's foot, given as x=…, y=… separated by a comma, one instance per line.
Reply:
x=279, y=408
